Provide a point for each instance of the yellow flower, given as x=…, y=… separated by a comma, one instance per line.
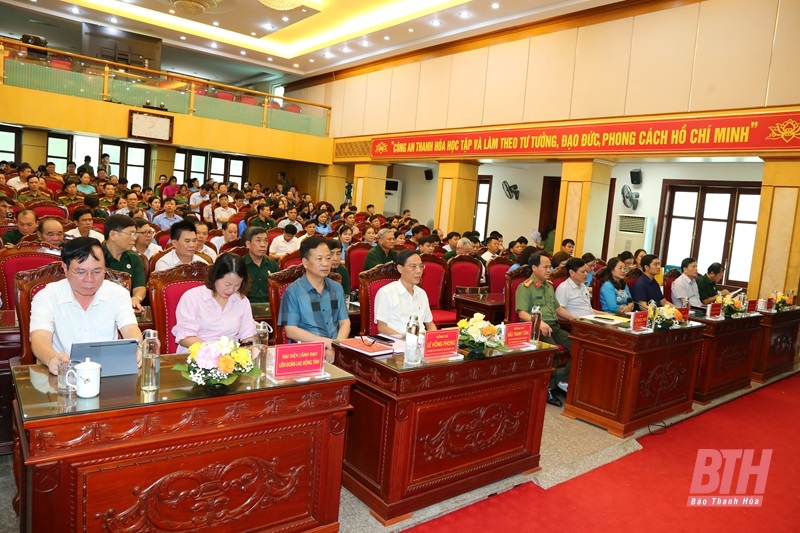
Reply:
x=462, y=323
x=651, y=312
x=718, y=300
x=488, y=330
x=193, y=350
x=478, y=317
x=226, y=364
x=241, y=356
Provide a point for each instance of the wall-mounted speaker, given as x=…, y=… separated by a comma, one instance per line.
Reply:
x=636, y=176
x=428, y=174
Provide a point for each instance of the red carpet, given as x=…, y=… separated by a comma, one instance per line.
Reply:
x=647, y=490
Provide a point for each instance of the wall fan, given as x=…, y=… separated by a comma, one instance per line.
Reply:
x=512, y=191
x=630, y=198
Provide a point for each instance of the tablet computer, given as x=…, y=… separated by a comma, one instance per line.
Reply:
x=116, y=358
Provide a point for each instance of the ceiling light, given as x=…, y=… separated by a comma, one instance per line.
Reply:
x=285, y=19
x=304, y=10
x=410, y=30
x=128, y=1
x=243, y=52
x=253, y=33
x=269, y=59
x=171, y=11
x=113, y=20
x=192, y=8
x=464, y=15
x=436, y=23
x=213, y=45
x=345, y=50
x=282, y=5
x=76, y=10
x=364, y=43
x=310, y=60
x=296, y=65
x=495, y=6
x=385, y=37
x=215, y=23
x=327, y=55
x=183, y=37
x=269, y=26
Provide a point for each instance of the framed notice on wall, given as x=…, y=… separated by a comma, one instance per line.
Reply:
x=149, y=126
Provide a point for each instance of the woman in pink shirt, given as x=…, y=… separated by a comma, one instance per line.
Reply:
x=219, y=308
x=171, y=189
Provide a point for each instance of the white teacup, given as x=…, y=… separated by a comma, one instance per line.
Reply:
x=87, y=379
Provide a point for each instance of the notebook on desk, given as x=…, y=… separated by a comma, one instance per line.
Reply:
x=116, y=358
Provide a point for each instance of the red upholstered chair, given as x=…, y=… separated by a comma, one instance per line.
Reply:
x=292, y=107
x=7, y=227
x=230, y=246
x=225, y=95
x=513, y=280
x=354, y=258
x=13, y=261
x=238, y=217
x=201, y=91
x=596, y=284
x=11, y=192
x=61, y=64
x=669, y=279
x=248, y=99
x=99, y=224
x=361, y=216
x=290, y=259
x=51, y=210
x=278, y=283
x=272, y=234
x=241, y=251
x=73, y=206
x=439, y=252
x=55, y=187
x=632, y=276
x=370, y=282
x=274, y=105
x=29, y=282
x=496, y=273
x=462, y=271
x=162, y=238
x=165, y=289
x=434, y=283
x=409, y=245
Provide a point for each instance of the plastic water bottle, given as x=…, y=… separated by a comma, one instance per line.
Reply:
x=260, y=342
x=151, y=361
x=412, y=353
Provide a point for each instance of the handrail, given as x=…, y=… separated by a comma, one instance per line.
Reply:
x=178, y=77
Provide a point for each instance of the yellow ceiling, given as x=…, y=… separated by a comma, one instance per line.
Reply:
x=337, y=21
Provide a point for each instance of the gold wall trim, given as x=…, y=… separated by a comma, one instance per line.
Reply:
x=351, y=149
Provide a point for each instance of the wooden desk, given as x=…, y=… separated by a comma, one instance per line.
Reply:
x=621, y=381
x=261, y=458
x=778, y=343
x=492, y=306
x=420, y=435
x=730, y=348
x=9, y=347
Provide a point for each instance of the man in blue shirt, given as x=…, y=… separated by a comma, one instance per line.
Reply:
x=646, y=287
x=313, y=308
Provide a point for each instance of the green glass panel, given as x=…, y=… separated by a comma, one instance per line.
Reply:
x=296, y=122
x=210, y=107
x=40, y=77
x=136, y=94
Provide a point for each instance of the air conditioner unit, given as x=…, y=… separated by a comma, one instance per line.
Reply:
x=634, y=232
x=394, y=193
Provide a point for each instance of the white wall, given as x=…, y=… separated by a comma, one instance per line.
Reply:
x=419, y=194
x=650, y=190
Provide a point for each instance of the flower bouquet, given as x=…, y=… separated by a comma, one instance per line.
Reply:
x=782, y=303
x=217, y=363
x=731, y=306
x=664, y=317
x=477, y=334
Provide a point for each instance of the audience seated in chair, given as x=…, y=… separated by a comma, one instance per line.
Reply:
x=165, y=289
x=396, y=302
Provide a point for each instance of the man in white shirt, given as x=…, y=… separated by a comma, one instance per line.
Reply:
x=572, y=294
x=309, y=229
x=224, y=212
x=493, y=247
x=83, y=218
x=131, y=199
x=685, y=287
x=81, y=308
x=196, y=199
x=230, y=233
x=202, y=236
x=291, y=219
x=452, y=240
x=184, y=243
x=397, y=301
x=285, y=244
x=21, y=181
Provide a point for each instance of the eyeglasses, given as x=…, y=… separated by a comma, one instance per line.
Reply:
x=420, y=266
x=366, y=340
x=148, y=233
x=96, y=273
x=129, y=234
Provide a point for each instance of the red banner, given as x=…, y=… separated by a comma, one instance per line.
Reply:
x=299, y=360
x=767, y=132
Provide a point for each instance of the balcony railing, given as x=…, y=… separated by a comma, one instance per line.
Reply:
x=44, y=69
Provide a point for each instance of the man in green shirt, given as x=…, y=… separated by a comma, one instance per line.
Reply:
x=263, y=220
x=259, y=266
x=536, y=291
x=383, y=252
x=120, y=232
x=707, y=285
x=34, y=191
x=336, y=263
x=27, y=221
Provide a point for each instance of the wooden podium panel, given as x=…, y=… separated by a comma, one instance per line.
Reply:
x=417, y=436
x=621, y=381
x=730, y=348
x=259, y=458
x=778, y=344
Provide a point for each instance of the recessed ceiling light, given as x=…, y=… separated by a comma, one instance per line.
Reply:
x=296, y=65
x=410, y=30
x=253, y=33
x=243, y=52
x=76, y=10
x=113, y=20
x=464, y=14
x=285, y=19
x=215, y=23
x=171, y=11
x=34, y=1
x=269, y=26
x=345, y=50
x=310, y=60
x=495, y=6
x=327, y=55
x=436, y=23
x=213, y=45
x=364, y=43
x=269, y=59
x=183, y=37
x=385, y=37
x=304, y=10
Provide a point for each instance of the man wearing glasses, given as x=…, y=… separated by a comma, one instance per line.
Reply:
x=120, y=232
x=84, y=307
x=397, y=301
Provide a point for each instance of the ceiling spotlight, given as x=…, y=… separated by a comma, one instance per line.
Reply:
x=269, y=26
x=215, y=23
x=310, y=60
x=76, y=10
x=296, y=65
x=364, y=43
x=113, y=20
x=171, y=11
x=213, y=45
x=269, y=59
x=436, y=23
x=327, y=55
x=410, y=30
x=243, y=52
x=253, y=33
x=464, y=15
x=183, y=37
x=385, y=37
x=285, y=19
x=345, y=50
x=495, y=6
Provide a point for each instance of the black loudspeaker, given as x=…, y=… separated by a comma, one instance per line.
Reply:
x=428, y=174
x=636, y=176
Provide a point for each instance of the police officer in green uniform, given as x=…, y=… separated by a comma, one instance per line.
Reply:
x=259, y=266
x=120, y=232
x=537, y=291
